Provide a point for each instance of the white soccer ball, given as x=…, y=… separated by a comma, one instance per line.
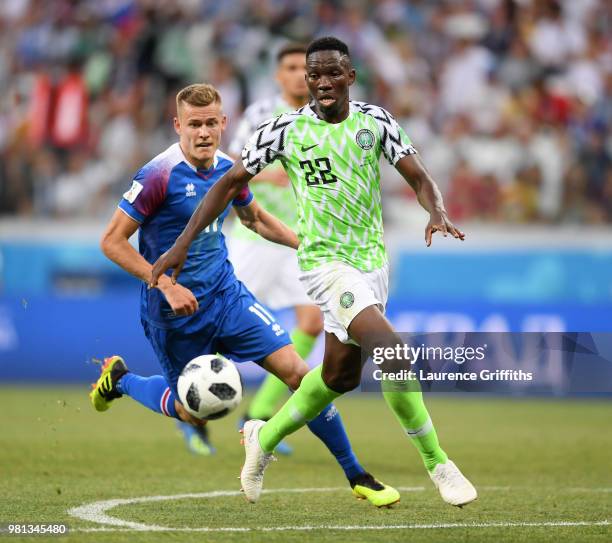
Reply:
x=210, y=387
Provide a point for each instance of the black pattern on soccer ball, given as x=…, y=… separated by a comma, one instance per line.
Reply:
x=216, y=365
x=222, y=391
x=190, y=368
x=193, y=397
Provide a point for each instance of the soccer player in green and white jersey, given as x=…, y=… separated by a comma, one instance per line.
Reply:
x=330, y=149
x=270, y=271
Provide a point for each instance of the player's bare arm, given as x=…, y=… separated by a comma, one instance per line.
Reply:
x=414, y=172
x=275, y=175
x=116, y=246
x=256, y=218
x=211, y=206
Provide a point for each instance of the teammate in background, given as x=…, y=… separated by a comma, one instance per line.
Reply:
x=331, y=149
x=211, y=311
x=269, y=270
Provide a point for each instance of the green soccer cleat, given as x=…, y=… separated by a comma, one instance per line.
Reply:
x=196, y=439
x=105, y=391
x=365, y=487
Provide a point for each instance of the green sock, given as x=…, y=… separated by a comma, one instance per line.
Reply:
x=273, y=390
x=267, y=397
x=406, y=402
x=303, y=406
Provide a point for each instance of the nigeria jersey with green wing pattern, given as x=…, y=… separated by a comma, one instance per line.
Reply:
x=334, y=171
x=273, y=198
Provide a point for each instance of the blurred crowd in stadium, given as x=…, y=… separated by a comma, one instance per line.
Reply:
x=508, y=101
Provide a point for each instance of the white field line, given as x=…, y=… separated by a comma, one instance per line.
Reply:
x=97, y=512
x=327, y=527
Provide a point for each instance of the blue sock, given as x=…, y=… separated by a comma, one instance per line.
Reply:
x=152, y=392
x=328, y=427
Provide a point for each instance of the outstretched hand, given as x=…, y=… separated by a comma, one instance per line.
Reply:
x=439, y=222
x=174, y=259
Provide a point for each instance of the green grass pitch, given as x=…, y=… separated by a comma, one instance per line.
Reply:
x=533, y=461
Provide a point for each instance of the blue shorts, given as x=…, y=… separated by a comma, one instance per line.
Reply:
x=234, y=324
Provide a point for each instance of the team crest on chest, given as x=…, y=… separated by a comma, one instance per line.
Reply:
x=190, y=189
x=365, y=139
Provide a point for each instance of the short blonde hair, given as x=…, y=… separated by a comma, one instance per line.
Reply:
x=198, y=94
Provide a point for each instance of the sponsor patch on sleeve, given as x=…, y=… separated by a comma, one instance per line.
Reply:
x=134, y=191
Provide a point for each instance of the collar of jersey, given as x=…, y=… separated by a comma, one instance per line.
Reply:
x=310, y=112
x=206, y=172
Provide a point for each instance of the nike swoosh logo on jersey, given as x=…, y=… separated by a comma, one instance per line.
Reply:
x=304, y=149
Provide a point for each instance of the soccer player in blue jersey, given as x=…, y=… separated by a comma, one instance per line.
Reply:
x=210, y=311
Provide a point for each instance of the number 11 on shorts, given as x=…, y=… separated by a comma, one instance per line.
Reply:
x=265, y=316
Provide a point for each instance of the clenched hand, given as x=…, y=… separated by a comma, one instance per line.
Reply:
x=181, y=299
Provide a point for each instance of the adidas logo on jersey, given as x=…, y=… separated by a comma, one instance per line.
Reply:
x=190, y=189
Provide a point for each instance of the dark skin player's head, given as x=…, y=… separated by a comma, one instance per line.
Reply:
x=329, y=74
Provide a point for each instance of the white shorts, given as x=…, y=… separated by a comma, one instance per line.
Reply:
x=270, y=271
x=342, y=292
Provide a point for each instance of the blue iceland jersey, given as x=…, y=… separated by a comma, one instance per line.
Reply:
x=163, y=196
